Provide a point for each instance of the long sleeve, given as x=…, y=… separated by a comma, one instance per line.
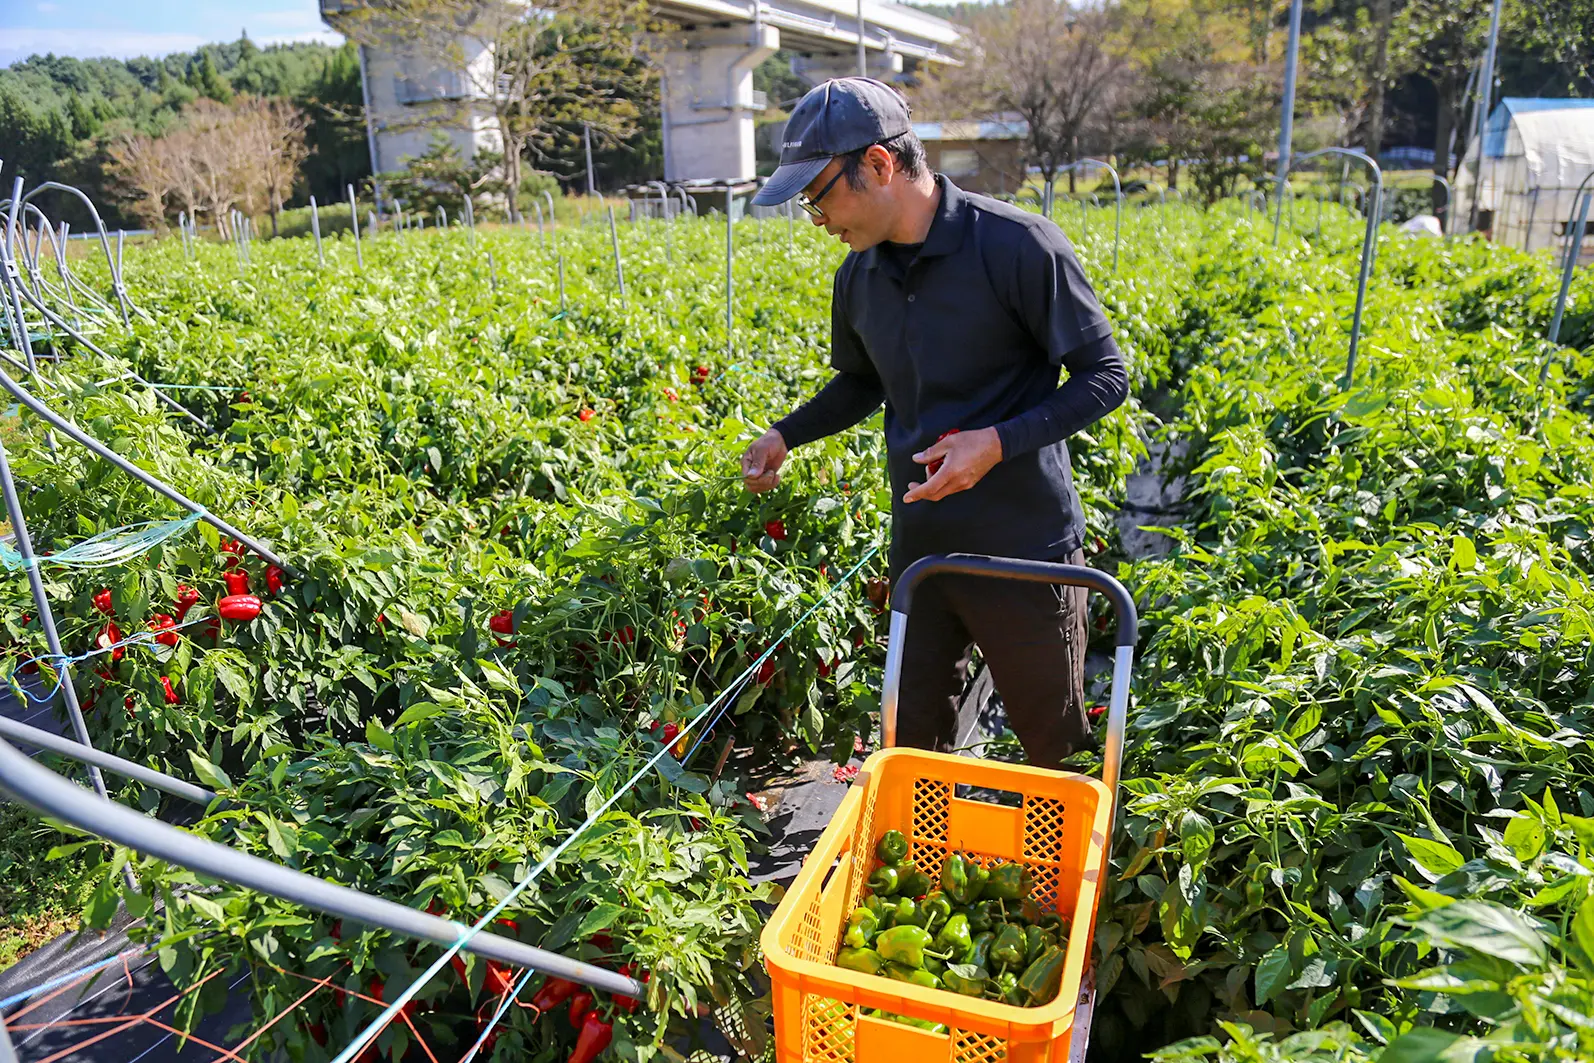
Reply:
x=840, y=404
x=1097, y=384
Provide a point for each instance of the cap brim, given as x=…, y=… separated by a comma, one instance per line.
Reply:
x=787, y=181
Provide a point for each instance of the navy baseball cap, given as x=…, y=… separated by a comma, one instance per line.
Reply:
x=838, y=116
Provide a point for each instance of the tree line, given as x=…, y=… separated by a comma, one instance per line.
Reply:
x=1171, y=80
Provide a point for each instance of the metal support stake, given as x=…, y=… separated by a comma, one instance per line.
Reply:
x=619, y=270
x=315, y=230
x=1573, y=253
x=863, y=60
x=730, y=283
x=13, y=279
x=1533, y=209
x=542, y=234
x=586, y=139
x=562, y=305
x=1287, y=118
x=24, y=545
x=1485, y=88
x=552, y=221
x=492, y=272
x=354, y=220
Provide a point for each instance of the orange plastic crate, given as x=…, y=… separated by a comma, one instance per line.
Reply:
x=1059, y=830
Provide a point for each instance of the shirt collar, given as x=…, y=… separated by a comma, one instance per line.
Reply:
x=946, y=228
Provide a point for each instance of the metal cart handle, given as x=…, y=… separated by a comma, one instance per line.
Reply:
x=1032, y=572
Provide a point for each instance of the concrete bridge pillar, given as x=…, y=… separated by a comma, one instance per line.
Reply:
x=707, y=102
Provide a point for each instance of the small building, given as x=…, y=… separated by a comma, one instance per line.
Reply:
x=981, y=155
x=1534, y=154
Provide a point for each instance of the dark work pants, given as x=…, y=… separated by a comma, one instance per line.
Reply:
x=1032, y=636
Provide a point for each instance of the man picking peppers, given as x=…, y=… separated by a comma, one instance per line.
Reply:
x=958, y=312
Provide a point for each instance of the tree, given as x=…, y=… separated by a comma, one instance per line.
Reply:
x=1061, y=69
x=1440, y=39
x=334, y=107
x=205, y=79
x=532, y=70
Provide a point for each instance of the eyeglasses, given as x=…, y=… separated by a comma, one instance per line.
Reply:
x=811, y=205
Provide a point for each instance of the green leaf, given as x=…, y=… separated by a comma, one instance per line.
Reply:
x=377, y=735
x=1272, y=974
x=208, y=773
x=1525, y=835
x=1463, y=555
x=1434, y=859
x=1583, y=932
x=1196, y=836
x=1489, y=928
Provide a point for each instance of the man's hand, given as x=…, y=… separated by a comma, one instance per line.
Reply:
x=762, y=461
x=965, y=458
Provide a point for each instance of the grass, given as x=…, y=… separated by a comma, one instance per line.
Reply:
x=40, y=899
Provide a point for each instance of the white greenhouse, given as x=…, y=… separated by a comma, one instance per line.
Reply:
x=1536, y=152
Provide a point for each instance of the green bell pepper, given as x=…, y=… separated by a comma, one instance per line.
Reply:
x=891, y=847
x=862, y=925
x=937, y=910
x=923, y=1024
x=875, y=905
x=884, y=881
x=980, y=917
x=1008, y=948
x=864, y=961
x=1009, y=882
x=1036, y=941
x=965, y=980
x=1004, y=986
x=979, y=952
x=908, y=912
x=911, y=882
x=955, y=935
x=912, y=975
x=1053, y=922
x=1042, y=979
x=934, y=964
x=955, y=878
x=979, y=875
x=1029, y=911
x=904, y=945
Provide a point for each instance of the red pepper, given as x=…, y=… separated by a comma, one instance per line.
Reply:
x=500, y=978
x=580, y=1004
x=625, y=1003
x=587, y=413
x=1095, y=712
x=239, y=607
x=670, y=394
x=594, y=1038
x=825, y=668
x=481, y=1024
x=187, y=598
x=935, y=466
x=766, y=671
x=502, y=623
x=110, y=636
x=274, y=579
x=171, y=695
x=624, y=637
x=237, y=582
x=236, y=549
x=318, y=1033
x=337, y=930
x=554, y=991
x=700, y=375
x=163, y=623
x=213, y=628
x=127, y=703
x=102, y=601
x=243, y=398
x=775, y=529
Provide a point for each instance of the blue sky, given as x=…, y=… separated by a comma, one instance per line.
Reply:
x=125, y=28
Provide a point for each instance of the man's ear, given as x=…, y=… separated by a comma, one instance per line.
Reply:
x=881, y=163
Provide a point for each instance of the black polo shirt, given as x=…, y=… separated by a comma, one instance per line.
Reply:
x=971, y=331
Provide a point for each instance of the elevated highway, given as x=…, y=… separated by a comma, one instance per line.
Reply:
x=706, y=65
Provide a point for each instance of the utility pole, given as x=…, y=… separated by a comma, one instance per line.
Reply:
x=586, y=136
x=863, y=61
x=1485, y=90
x=1287, y=122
